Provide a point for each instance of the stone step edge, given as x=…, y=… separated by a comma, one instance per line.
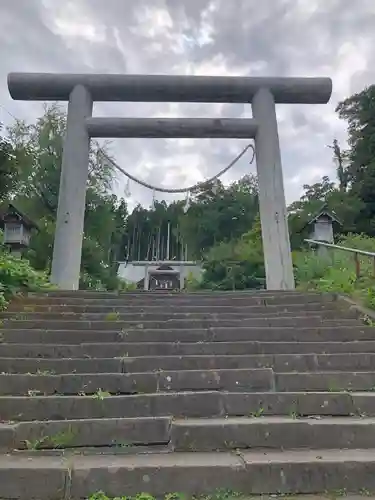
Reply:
x=177, y=434
x=114, y=316
x=100, y=350
x=211, y=293
x=212, y=322
x=189, y=335
x=301, y=329
x=261, y=472
x=184, y=308
x=128, y=360
x=266, y=379
x=176, y=299
x=150, y=382
x=188, y=404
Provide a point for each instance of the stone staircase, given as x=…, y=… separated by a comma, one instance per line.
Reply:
x=244, y=392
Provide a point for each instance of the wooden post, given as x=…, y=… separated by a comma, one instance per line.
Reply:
x=357, y=265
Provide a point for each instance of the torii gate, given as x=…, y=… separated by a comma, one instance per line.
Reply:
x=81, y=90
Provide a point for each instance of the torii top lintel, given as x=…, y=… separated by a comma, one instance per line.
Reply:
x=168, y=88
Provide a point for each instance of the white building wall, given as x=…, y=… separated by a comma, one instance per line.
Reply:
x=323, y=230
x=133, y=274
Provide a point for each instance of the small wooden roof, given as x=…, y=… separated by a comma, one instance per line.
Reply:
x=10, y=210
x=324, y=211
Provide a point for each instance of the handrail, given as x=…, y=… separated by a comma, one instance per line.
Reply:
x=338, y=247
x=354, y=251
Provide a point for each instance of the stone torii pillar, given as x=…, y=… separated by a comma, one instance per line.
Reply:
x=81, y=90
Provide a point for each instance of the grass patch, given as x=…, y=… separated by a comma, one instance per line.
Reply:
x=336, y=272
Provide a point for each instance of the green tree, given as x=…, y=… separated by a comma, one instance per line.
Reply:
x=236, y=264
x=219, y=214
x=359, y=111
x=39, y=152
x=9, y=172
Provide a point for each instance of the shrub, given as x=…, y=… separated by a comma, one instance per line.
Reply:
x=88, y=282
x=337, y=271
x=126, y=286
x=235, y=265
x=192, y=282
x=16, y=275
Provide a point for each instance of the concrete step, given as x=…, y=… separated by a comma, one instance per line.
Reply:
x=184, y=392
x=132, y=383
x=55, y=366
x=162, y=316
x=272, y=433
x=334, y=381
x=68, y=323
x=249, y=472
x=94, y=433
x=279, y=362
x=217, y=334
x=179, y=309
x=247, y=380
x=215, y=434
x=153, y=296
x=167, y=293
x=132, y=349
x=179, y=299
x=187, y=404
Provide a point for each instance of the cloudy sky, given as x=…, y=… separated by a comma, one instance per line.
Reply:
x=334, y=38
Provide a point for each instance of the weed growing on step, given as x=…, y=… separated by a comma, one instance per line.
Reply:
x=222, y=495
x=364, y=492
x=63, y=438
x=112, y=316
x=29, y=309
x=294, y=413
x=336, y=493
x=218, y=495
x=257, y=413
x=35, y=444
x=45, y=372
x=101, y=395
x=121, y=444
x=334, y=388
x=34, y=392
x=367, y=320
x=57, y=441
x=123, y=357
x=123, y=334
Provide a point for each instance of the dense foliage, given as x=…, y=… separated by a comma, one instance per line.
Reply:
x=31, y=160
x=17, y=275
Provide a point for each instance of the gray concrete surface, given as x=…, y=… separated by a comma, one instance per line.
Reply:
x=159, y=88
x=303, y=425
x=225, y=128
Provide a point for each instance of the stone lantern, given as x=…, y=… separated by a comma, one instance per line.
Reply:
x=17, y=229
